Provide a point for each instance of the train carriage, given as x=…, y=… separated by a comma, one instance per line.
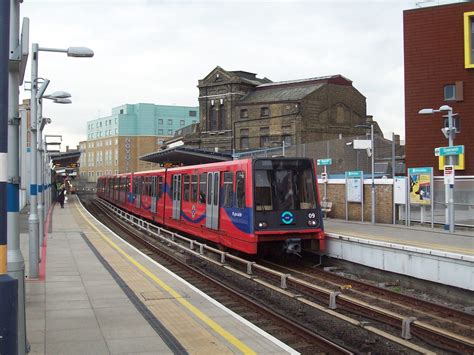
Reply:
x=253, y=206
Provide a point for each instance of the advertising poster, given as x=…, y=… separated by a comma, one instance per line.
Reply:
x=420, y=185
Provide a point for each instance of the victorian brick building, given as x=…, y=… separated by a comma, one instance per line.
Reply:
x=242, y=112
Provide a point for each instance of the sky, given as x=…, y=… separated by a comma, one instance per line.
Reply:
x=155, y=51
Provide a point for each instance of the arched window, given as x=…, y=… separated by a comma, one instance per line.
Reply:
x=212, y=118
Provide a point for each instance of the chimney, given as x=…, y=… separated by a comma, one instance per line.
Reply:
x=396, y=138
x=67, y=148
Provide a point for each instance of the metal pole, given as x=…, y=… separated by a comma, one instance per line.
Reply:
x=373, y=171
x=451, y=162
x=8, y=284
x=394, y=206
x=16, y=263
x=39, y=176
x=33, y=218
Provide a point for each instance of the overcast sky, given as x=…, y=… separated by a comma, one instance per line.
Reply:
x=155, y=51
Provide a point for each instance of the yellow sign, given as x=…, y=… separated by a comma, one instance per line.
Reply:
x=420, y=189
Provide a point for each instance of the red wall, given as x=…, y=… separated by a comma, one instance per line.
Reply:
x=434, y=57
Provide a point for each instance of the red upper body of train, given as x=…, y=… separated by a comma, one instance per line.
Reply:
x=248, y=205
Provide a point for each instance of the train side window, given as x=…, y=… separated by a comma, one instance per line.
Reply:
x=228, y=189
x=160, y=186
x=202, y=188
x=186, y=187
x=194, y=186
x=240, y=189
x=153, y=186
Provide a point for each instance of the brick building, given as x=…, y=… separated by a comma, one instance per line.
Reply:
x=240, y=111
x=439, y=70
x=116, y=142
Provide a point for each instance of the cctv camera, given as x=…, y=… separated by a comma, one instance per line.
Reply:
x=445, y=132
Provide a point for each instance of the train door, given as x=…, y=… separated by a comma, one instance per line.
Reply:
x=177, y=196
x=212, y=203
x=153, y=194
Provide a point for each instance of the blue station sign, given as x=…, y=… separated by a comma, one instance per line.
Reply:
x=454, y=150
x=353, y=174
x=324, y=161
x=415, y=171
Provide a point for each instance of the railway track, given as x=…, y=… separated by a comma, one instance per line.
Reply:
x=293, y=334
x=318, y=290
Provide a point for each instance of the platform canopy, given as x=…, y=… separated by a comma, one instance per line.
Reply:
x=185, y=156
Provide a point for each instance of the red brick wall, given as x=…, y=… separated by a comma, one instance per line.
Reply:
x=434, y=57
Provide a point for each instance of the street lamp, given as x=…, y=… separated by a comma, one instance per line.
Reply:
x=449, y=133
x=33, y=221
x=43, y=198
x=370, y=126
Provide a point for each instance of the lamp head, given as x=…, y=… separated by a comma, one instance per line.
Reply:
x=80, y=52
x=445, y=108
x=58, y=95
x=62, y=101
x=426, y=111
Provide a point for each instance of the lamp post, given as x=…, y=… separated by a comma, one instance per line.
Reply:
x=60, y=97
x=449, y=133
x=370, y=126
x=33, y=222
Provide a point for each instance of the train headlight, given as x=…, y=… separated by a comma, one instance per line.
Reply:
x=262, y=224
x=312, y=222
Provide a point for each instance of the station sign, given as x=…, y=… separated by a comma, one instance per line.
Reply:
x=449, y=174
x=324, y=161
x=354, y=174
x=454, y=150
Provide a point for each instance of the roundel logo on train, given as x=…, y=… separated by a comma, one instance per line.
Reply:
x=287, y=217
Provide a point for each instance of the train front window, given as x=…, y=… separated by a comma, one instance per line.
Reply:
x=284, y=185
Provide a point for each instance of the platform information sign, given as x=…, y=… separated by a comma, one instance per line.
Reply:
x=449, y=174
x=324, y=161
x=354, y=184
x=420, y=185
x=454, y=150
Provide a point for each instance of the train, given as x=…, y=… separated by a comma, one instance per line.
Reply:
x=254, y=206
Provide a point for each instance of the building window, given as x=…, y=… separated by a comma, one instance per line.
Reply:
x=121, y=111
x=244, y=113
x=264, y=112
x=170, y=121
x=212, y=118
x=244, y=138
x=221, y=117
x=469, y=39
x=160, y=121
x=192, y=113
x=264, y=137
x=160, y=131
x=287, y=139
x=449, y=92
x=182, y=123
x=170, y=132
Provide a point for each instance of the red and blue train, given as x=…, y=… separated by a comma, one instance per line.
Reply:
x=252, y=205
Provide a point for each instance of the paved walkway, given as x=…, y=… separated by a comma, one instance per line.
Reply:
x=460, y=242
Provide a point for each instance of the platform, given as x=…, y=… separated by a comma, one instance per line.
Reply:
x=99, y=295
x=420, y=252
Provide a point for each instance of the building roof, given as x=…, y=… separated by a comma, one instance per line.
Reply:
x=186, y=156
x=276, y=93
x=292, y=90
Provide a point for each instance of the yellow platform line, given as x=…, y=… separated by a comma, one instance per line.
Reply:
x=209, y=322
x=437, y=247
